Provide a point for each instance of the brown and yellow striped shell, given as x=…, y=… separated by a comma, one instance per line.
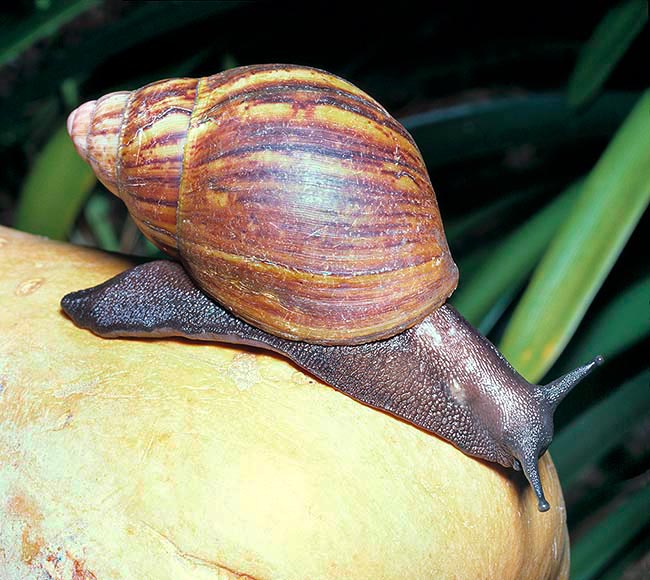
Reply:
x=290, y=196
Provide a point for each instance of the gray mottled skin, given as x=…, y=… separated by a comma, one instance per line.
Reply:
x=441, y=375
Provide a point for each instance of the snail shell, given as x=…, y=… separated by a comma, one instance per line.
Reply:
x=290, y=196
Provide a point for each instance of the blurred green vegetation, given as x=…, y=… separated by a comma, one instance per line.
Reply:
x=536, y=132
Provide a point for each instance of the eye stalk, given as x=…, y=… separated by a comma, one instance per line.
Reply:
x=531, y=471
x=535, y=434
x=556, y=390
x=527, y=448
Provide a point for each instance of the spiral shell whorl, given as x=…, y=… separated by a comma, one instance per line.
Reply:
x=291, y=196
x=95, y=130
x=134, y=142
x=152, y=142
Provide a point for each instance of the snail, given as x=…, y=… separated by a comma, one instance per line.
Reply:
x=301, y=219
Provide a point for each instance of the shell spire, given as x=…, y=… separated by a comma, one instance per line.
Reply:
x=134, y=142
x=95, y=131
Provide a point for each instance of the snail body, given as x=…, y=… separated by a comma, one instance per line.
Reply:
x=306, y=224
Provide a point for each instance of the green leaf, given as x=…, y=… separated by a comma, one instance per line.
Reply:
x=54, y=190
x=495, y=212
x=617, y=327
x=630, y=564
x=607, y=45
x=141, y=22
x=41, y=24
x=97, y=213
x=512, y=259
x=613, y=198
x=481, y=128
x=602, y=542
x=601, y=428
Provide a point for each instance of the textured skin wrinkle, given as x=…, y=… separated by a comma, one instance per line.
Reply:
x=441, y=375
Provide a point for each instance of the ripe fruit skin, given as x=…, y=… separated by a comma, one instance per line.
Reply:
x=176, y=459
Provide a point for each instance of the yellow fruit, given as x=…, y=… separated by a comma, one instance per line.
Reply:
x=170, y=459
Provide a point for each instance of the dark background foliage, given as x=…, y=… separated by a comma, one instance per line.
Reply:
x=506, y=121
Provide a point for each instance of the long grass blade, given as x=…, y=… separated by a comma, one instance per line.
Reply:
x=97, y=214
x=607, y=45
x=143, y=22
x=621, y=324
x=40, y=25
x=601, y=428
x=512, y=260
x=463, y=226
x=613, y=198
x=54, y=190
x=632, y=564
x=482, y=128
x=608, y=537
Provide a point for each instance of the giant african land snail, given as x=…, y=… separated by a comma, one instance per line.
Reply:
x=298, y=203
